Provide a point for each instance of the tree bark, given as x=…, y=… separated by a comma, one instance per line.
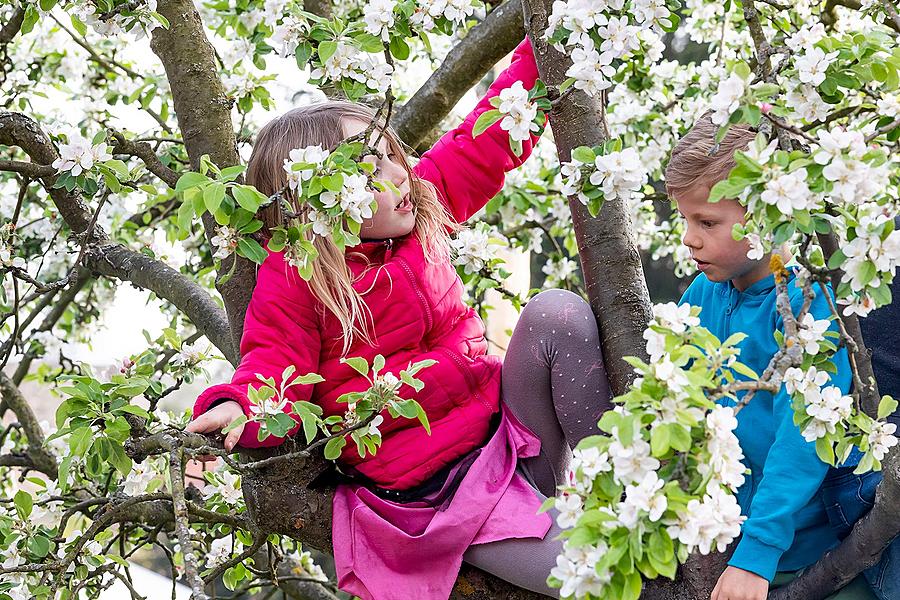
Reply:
x=204, y=118
x=610, y=261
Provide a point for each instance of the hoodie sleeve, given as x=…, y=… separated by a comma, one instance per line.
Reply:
x=467, y=171
x=792, y=474
x=280, y=329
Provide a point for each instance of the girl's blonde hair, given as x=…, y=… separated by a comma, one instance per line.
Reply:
x=332, y=281
x=697, y=157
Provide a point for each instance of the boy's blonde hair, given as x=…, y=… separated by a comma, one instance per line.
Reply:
x=332, y=281
x=697, y=159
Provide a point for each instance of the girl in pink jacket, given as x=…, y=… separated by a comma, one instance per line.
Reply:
x=470, y=490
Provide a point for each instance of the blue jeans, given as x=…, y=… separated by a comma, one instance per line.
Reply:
x=847, y=498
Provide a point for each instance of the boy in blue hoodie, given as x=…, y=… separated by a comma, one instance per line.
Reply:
x=787, y=526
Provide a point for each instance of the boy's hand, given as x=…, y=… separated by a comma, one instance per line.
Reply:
x=738, y=584
x=218, y=418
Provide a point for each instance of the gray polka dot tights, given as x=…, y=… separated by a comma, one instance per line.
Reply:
x=555, y=383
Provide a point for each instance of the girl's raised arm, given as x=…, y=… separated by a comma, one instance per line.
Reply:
x=469, y=172
x=281, y=328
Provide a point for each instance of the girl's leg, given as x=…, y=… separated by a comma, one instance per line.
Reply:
x=554, y=381
x=523, y=562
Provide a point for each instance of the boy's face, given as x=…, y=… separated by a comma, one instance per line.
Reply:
x=396, y=215
x=708, y=236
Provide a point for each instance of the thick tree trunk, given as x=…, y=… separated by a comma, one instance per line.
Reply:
x=615, y=282
x=204, y=118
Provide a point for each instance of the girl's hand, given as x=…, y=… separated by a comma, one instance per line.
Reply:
x=218, y=418
x=738, y=584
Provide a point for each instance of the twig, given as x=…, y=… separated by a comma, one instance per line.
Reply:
x=182, y=528
x=891, y=10
x=32, y=170
x=250, y=551
x=890, y=126
x=128, y=6
x=143, y=151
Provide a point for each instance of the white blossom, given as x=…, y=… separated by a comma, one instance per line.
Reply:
x=519, y=113
x=79, y=155
x=220, y=550
x=631, y=464
x=139, y=479
x=229, y=489
x=473, y=248
x=727, y=98
x=813, y=63
x=570, y=508
x=619, y=174
x=576, y=569
x=827, y=407
x=713, y=522
x=591, y=70
x=812, y=332
x=378, y=16
x=882, y=438
x=789, y=192
x=225, y=241
x=310, y=155
x=558, y=270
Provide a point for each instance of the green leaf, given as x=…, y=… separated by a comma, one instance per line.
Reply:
x=333, y=447
x=825, y=450
x=744, y=370
x=326, y=50
x=886, y=407
x=485, y=120
x=39, y=546
x=302, y=54
x=213, y=194
x=369, y=43
x=248, y=197
x=235, y=424
x=189, y=180
x=231, y=173
x=584, y=154
x=31, y=17
x=119, y=459
x=250, y=248
x=399, y=48
x=24, y=503
x=80, y=440
x=659, y=440
x=632, y=589
x=358, y=363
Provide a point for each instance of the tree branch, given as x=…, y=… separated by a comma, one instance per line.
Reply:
x=12, y=27
x=43, y=460
x=464, y=66
x=30, y=169
x=204, y=117
x=143, y=151
x=115, y=260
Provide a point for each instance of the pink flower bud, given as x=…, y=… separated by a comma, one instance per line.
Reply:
x=765, y=108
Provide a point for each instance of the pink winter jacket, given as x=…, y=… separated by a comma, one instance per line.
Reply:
x=418, y=313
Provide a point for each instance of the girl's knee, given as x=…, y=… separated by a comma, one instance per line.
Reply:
x=565, y=311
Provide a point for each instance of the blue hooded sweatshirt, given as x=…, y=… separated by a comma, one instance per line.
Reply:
x=786, y=527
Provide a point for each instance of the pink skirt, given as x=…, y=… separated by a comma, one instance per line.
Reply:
x=386, y=550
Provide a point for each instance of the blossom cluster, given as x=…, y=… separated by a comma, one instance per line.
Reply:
x=621, y=484
x=79, y=155
x=607, y=172
x=475, y=248
x=518, y=112
x=601, y=34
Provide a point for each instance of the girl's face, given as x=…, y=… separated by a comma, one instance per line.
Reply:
x=396, y=215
